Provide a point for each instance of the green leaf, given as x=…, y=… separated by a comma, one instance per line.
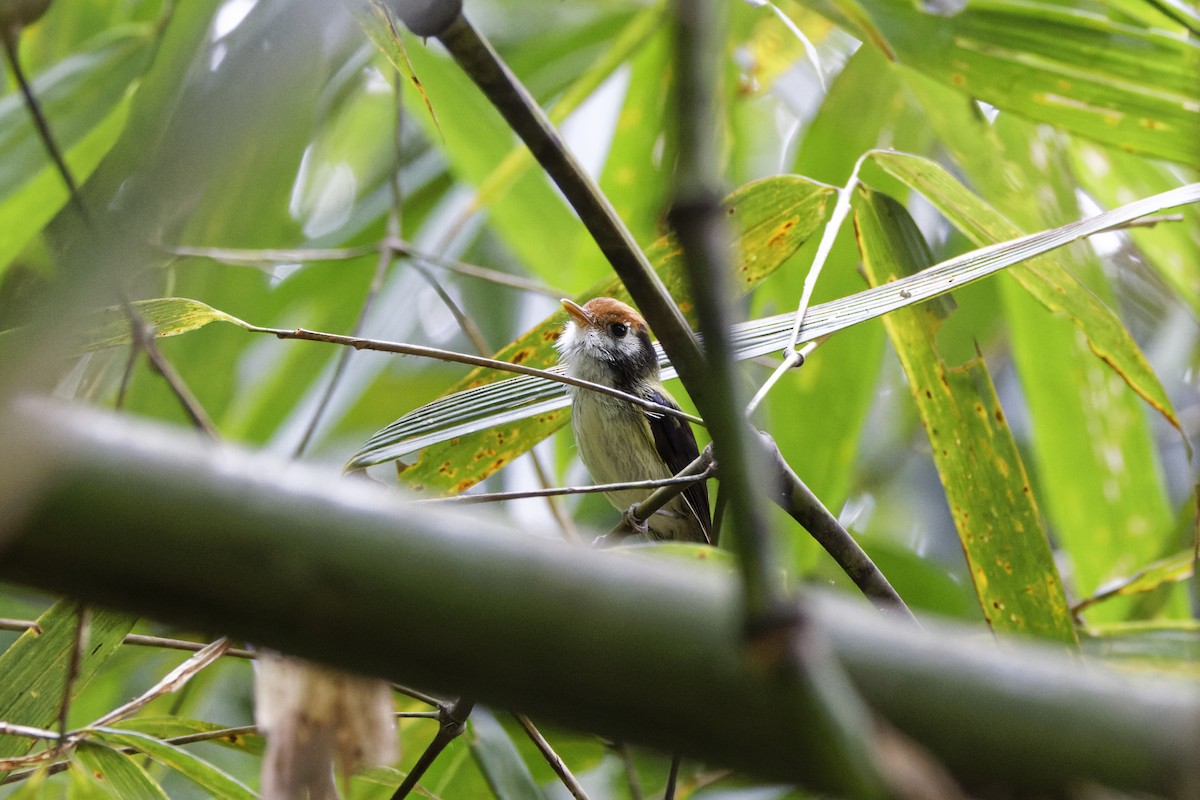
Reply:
x=120, y=774
x=217, y=783
x=1043, y=278
x=169, y=316
x=499, y=760
x=981, y=470
x=1177, y=567
x=171, y=727
x=33, y=787
x=84, y=98
x=1129, y=86
x=775, y=217
x=531, y=216
x=35, y=666
x=1168, y=646
x=1096, y=462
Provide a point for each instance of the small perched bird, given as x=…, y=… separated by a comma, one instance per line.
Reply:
x=607, y=342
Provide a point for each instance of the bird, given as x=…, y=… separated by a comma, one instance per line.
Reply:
x=606, y=341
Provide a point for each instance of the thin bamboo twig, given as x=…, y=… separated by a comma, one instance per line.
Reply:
x=794, y=497
x=683, y=480
x=474, y=271
x=631, y=774
x=672, y=777
x=359, y=343
x=172, y=681
x=28, y=731
x=453, y=724
x=841, y=210
x=381, y=268
x=10, y=35
x=82, y=613
x=815, y=695
x=136, y=639
x=258, y=257
x=565, y=523
x=699, y=222
x=190, y=738
x=261, y=256
x=143, y=338
x=552, y=758
x=417, y=694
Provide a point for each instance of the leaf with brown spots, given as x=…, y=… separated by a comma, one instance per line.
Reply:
x=774, y=217
x=987, y=488
x=1043, y=277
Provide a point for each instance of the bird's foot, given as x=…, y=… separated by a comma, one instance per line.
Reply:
x=632, y=524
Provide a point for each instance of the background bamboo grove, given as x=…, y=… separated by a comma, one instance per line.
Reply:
x=1015, y=457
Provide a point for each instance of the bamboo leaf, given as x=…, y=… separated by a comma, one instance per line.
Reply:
x=1044, y=278
x=1130, y=86
x=499, y=760
x=169, y=316
x=171, y=727
x=84, y=99
x=121, y=775
x=981, y=470
x=216, y=783
x=35, y=666
x=483, y=401
x=1177, y=567
x=1165, y=646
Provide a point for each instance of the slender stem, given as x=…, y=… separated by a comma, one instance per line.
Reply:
x=453, y=725
x=678, y=482
x=476, y=361
x=631, y=773
x=474, y=271
x=137, y=639
x=700, y=225
x=81, y=623
x=813, y=693
x=204, y=736
x=465, y=323
x=565, y=523
x=9, y=35
x=381, y=268
x=143, y=338
x=794, y=497
x=672, y=777
x=552, y=758
x=841, y=209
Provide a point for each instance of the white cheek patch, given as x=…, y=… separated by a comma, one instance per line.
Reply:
x=569, y=341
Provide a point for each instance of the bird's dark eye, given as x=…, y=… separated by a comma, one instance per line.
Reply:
x=618, y=329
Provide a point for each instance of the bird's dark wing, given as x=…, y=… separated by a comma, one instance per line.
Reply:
x=676, y=446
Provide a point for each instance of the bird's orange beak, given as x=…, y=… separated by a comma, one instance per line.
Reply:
x=577, y=312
